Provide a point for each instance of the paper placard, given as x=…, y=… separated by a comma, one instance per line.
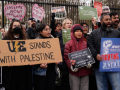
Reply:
x=81, y=58
x=25, y=52
x=86, y=13
x=110, y=53
x=60, y=12
x=37, y=12
x=17, y=11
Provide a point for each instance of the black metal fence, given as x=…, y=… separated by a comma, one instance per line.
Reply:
x=70, y=5
x=71, y=9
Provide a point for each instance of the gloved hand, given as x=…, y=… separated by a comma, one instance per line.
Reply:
x=74, y=69
x=89, y=65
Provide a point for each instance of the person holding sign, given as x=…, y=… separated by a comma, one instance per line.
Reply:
x=78, y=77
x=44, y=74
x=94, y=44
x=15, y=77
x=67, y=24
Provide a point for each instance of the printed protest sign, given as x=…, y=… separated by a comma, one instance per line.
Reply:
x=81, y=58
x=60, y=12
x=86, y=13
x=37, y=12
x=25, y=52
x=0, y=36
x=110, y=53
x=105, y=9
x=98, y=5
x=66, y=35
x=17, y=11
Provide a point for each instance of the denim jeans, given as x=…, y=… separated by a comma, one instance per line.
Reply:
x=103, y=77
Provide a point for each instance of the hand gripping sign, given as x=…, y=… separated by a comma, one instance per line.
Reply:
x=37, y=12
x=17, y=11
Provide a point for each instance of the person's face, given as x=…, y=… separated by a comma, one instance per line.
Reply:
x=33, y=23
x=85, y=28
x=68, y=24
x=16, y=24
x=46, y=32
x=78, y=34
x=106, y=22
x=115, y=20
x=3, y=31
x=59, y=28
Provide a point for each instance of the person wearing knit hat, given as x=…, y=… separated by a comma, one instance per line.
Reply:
x=78, y=77
x=78, y=31
x=77, y=28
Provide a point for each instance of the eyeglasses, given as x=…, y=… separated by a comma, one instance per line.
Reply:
x=85, y=26
x=17, y=26
x=47, y=29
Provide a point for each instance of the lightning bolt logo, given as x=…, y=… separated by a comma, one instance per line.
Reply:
x=16, y=46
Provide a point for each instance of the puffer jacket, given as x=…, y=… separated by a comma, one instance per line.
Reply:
x=72, y=46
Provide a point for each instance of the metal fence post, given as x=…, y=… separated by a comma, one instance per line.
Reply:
x=3, y=13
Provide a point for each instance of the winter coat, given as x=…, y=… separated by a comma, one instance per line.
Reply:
x=94, y=41
x=31, y=33
x=72, y=46
x=52, y=26
x=62, y=66
x=17, y=74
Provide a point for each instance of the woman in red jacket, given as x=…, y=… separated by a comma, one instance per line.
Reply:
x=78, y=77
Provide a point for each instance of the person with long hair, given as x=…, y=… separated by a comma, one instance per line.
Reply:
x=44, y=74
x=15, y=77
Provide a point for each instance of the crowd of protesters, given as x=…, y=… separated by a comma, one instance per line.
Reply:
x=43, y=76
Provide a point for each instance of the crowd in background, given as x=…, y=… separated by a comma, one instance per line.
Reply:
x=62, y=75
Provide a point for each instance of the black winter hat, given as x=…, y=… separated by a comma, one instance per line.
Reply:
x=77, y=28
x=32, y=19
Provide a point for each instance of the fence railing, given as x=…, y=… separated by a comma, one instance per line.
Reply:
x=70, y=5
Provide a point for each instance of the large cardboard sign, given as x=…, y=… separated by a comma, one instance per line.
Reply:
x=37, y=12
x=98, y=5
x=60, y=12
x=17, y=11
x=110, y=53
x=66, y=35
x=86, y=13
x=25, y=52
x=81, y=58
